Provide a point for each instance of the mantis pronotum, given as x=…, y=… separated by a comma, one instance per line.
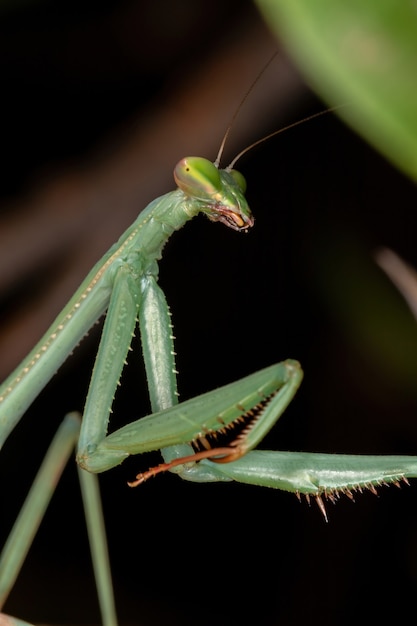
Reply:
x=209, y=438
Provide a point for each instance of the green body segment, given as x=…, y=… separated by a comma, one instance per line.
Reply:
x=157, y=346
x=209, y=412
x=316, y=474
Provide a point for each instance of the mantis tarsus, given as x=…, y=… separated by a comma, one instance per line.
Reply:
x=208, y=438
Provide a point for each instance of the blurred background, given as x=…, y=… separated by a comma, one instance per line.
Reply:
x=100, y=100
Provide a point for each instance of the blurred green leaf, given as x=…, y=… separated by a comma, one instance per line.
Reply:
x=362, y=53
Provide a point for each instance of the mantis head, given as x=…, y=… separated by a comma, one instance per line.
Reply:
x=220, y=193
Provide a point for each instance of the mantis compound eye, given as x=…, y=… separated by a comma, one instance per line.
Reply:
x=239, y=179
x=198, y=177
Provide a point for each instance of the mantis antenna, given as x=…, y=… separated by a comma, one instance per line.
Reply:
x=273, y=134
x=278, y=132
x=242, y=102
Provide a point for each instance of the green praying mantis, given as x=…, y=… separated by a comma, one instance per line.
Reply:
x=206, y=439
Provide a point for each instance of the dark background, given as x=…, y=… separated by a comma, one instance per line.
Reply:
x=100, y=99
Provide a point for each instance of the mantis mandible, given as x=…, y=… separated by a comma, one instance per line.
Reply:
x=206, y=439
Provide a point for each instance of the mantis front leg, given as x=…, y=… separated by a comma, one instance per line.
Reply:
x=130, y=299
x=265, y=394
x=116, y=337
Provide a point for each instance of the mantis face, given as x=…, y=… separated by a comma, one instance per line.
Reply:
x=219, y=192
